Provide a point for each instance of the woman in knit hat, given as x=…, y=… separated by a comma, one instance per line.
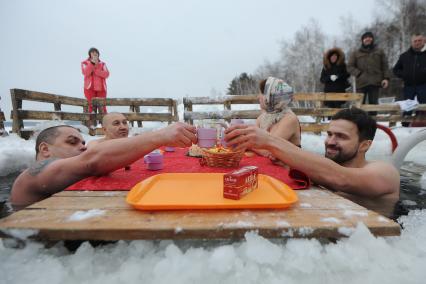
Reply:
x=277, y=118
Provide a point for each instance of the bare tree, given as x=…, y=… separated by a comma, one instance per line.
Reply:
x=300, y=60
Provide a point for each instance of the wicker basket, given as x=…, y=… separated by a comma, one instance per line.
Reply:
x=221, y=160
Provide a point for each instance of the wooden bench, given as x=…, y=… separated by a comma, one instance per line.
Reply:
x=318, y=214
x=304, y=104
x=19, y=114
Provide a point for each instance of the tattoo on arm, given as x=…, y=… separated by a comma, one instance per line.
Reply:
x=36, y=168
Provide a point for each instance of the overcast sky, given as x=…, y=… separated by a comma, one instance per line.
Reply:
x=152, y=48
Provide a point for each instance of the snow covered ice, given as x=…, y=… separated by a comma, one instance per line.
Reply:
x=360, y=258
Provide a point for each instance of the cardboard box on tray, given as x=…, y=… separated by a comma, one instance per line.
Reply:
x=240, y=182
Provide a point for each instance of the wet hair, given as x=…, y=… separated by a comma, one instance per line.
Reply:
x=48, y=135
x=94, y=49
x=262, y=84
x=366, y=125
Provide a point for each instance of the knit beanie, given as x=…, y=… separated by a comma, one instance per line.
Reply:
x=367, y=34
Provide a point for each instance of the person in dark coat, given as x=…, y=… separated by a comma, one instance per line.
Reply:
x=334, y=75
x=369, y=65
x=411, y=68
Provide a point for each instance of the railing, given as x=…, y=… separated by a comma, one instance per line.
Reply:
x=392, y=113
x=134, y=104
x=89, y=119
x=304, y=104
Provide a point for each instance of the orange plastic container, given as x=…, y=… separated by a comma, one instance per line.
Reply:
x=205, y=191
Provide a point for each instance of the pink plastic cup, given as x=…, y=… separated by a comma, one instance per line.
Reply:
x=236, y=121
x=154, y=161
x=206, y=137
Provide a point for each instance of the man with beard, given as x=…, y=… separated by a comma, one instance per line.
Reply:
x=373, y=184
x=114, y=125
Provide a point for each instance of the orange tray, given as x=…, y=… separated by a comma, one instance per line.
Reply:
x=205, y=191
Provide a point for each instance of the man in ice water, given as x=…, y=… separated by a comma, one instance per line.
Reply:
x=373, y=184
x=62, y=158
x=114, y=125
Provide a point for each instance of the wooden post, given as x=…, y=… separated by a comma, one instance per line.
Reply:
x=227, y=106
x=175, y=111
x=138, y=110
x=187, y=104
x=57, y=106
x=86, y=110
x=1, y=122
x=17, y=124
x=131, y=109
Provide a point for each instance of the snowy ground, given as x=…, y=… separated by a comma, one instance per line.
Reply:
x=361, y=258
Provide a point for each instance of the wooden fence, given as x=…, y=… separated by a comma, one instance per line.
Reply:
x=305, y=104
x=89, y=119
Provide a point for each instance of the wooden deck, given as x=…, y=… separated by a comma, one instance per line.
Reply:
x=318, y=214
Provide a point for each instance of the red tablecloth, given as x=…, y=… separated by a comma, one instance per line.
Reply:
x=178, y=162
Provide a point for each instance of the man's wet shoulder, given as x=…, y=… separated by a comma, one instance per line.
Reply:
x=37, y=167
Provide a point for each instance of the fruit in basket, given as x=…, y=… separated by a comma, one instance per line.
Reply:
x=219, y=149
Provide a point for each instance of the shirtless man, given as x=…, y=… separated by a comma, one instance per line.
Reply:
x=114, y=125
x=373, y=184
x=62, y=158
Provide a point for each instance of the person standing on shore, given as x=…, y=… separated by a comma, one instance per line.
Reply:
x=369, y=65
x=334, y=75
x=95, y=74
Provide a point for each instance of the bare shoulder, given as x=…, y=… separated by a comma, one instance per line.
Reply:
x=39, y=166
x=27, y=185
x=381, y=166
x=385, y=172
x=289, y=124
x=47, y=177
x=289, y=119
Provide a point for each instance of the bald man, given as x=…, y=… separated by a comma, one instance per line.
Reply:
x=115, y=125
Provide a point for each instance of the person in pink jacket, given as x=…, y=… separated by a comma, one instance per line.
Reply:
x=95, y=73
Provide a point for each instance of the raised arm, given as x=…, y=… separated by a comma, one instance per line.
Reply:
x=373, y=180
x=102, y=71
x=87, y=68
x=50, y=176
